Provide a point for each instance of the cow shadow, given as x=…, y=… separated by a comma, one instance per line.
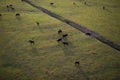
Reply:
x=68, y=49
x=0, y=17
x=38, y=27
x=108, y=10
x=35, y=51
x=18, y=18
x=81, y=72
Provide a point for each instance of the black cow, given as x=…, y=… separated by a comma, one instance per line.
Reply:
x=10, y=5
x=65, y=35
x=37, y=23
x=73, y=3
x=0, y=14
x=60, y=39
x=13, y=8
x=77, y=63
x=65, y=43
x=17, y=14
x=7, y=6
x=51, y=3
x=85, y=3
x=103, y=7
x=59, y=31
x=67, y=21
x=89, y=34
x=31, y=42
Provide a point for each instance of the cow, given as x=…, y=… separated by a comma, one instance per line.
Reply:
x=7, y=6
x=10, y=5
x=88, y=34
x=77, y=63
x=67, y=21
x=59, y=40
x=17, y=14
x=103, y=7
x=51, y=3
x=64, y=35
x=37, y=23
x=85, y=3
x=65, y=43
x=0, y=14
x=31, y=42
x=73, y=3
x=59, y=31
x=13, y=8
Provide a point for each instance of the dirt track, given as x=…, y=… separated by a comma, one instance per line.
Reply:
x=77, y=26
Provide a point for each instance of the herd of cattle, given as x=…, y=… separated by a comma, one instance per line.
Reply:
x=60, y=32
x=10, y=7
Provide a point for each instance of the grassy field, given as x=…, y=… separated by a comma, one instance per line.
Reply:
x=49, y=60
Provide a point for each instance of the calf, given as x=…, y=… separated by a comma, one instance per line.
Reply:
x=65, y=43
x=59, y=31
x=60, y=39
x=31, y=42
x=65, y=35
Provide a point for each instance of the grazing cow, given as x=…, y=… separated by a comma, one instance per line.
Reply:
x=10, y=5
x=51, y=3
x=89, y=34
x=65, y=43
x=103, y=7
x=67, y=21
x=85, y=3
x=0, y=14
x=73, y=3
x=13, y=8
x=59, y=31
x=77, y=63
x=60, y=39
x=65, y=35
x=37, y=23
x=17, y=14
x=7, y=6
x=31, y=42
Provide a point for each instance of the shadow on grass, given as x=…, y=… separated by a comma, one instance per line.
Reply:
x=38, y=27
x=81, y=72
x=53, y=6
x=18, y=18
x=108, y=10
x=68, y=49
x=1, y=18
x=34, y=51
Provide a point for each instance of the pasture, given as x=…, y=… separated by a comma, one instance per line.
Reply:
x=47, y=59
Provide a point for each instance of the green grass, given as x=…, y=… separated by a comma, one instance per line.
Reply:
x=92, y=15
x=48, y=60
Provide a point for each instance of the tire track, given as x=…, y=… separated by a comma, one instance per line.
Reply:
x=77, y=26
